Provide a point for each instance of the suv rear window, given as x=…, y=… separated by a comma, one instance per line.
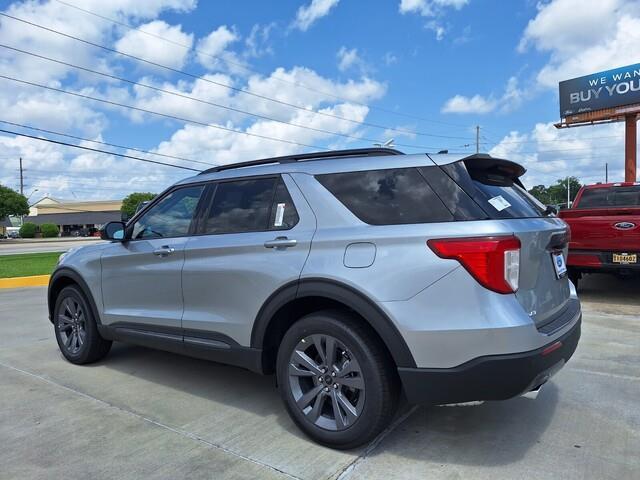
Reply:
x=499, y=194
x=604, y=197
x=387, y=197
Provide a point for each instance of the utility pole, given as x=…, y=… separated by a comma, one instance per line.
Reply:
x=568, y=193
x=21, y=179
x=606, y=172
x=477, y=138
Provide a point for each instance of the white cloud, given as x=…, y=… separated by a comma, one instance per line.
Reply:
x=583, y=40
x=549, y=153
x=478, y=104
x=172, y=54
x=212, y=49
x=389, y=59
x=54, y=169
x=257, y=42
x=348, y=59
x=70, y=173
x=475, y=104
x=218, y=146
x=429, y=8
x=307, y=15
x=433, y=9
x=437, y=28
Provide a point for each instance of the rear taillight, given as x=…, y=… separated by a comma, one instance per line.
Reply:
x=493, y=261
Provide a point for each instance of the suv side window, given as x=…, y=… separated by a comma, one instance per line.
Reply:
x=387, y=197
x=254, y=205
x=171, y=216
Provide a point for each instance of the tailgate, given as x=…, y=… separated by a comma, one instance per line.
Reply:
x=604, y=229
x=542, y=293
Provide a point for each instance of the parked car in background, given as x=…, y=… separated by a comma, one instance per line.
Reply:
x=605, y=230
x=349, y=274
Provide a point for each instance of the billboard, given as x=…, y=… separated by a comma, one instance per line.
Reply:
x=598, y=91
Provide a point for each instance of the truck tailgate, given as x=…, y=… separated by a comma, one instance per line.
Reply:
x=604, y=229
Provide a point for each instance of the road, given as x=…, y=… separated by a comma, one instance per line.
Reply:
x=147, y=414
x=10, y=247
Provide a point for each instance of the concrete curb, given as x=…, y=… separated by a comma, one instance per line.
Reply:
x=19, y=282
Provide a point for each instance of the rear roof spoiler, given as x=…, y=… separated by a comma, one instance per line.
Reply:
x=484, y=161
x=480, y=161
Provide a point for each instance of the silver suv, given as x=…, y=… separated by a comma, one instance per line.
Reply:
x=352, y=275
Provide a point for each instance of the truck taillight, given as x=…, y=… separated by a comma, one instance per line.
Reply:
x=492, y=261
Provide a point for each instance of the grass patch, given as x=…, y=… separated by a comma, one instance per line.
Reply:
x=27, y=264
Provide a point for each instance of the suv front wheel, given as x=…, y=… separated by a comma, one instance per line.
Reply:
x=75, y=328
x=336, y=379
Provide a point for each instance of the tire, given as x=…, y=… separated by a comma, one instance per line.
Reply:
x=77, y=335
x=360, y=360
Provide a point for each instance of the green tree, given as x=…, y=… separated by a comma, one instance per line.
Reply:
x=131, y=202
x=12, y=203
x=541, y=193
x=49, y=230
x=558, y=191
x=28, y=230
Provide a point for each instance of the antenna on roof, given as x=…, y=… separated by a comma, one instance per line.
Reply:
x=387, y=144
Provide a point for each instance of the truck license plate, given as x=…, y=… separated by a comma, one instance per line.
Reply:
x=559, y=264
x=625, y=258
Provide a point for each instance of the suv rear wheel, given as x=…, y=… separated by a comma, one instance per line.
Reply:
x=75, y=328
x=336, y=379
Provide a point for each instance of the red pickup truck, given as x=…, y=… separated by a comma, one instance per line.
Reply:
x=605, y=230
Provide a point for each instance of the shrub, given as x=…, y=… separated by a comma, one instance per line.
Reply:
x=28, y=230
x=49, y=230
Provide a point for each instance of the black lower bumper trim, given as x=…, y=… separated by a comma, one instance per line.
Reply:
x=495, y=377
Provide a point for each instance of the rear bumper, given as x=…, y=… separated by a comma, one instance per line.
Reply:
x=495, y=377
x=600, y=261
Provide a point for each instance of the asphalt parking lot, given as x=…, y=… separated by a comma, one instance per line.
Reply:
x=143, y=413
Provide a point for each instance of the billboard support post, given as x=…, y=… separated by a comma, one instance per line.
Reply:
x=630, y=148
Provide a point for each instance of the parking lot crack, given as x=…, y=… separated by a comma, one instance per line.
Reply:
x=346, y=471
x=177, y=431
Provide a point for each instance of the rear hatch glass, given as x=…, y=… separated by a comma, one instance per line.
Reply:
x=496, y=188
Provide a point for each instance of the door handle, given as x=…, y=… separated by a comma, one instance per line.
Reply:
x=164, y=251
x=280, y=243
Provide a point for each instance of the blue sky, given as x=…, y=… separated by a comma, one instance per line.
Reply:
x=426, y=71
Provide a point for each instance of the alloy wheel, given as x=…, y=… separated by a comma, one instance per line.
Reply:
x=326, y=382
x=72, y=325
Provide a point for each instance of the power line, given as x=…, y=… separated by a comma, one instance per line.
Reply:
x=152, y=112
x=220, y=84
x=199, y=100
x=101, y=143
x=96, y=150
x=244, y=67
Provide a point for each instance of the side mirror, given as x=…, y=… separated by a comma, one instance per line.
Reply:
x=113, y=231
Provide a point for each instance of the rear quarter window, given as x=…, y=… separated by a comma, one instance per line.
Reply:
x=387, y=197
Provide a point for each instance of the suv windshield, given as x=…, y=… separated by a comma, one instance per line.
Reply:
x=603, y=197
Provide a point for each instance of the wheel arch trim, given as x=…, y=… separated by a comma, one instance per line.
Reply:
x=73, y=275
x=342, y=293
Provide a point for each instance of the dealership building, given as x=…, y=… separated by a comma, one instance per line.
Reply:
x=73, y=218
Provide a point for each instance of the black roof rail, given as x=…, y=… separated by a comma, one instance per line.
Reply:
x=354, y=152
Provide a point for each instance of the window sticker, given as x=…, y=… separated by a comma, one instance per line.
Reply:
x=279, y=215
x=499, y=203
